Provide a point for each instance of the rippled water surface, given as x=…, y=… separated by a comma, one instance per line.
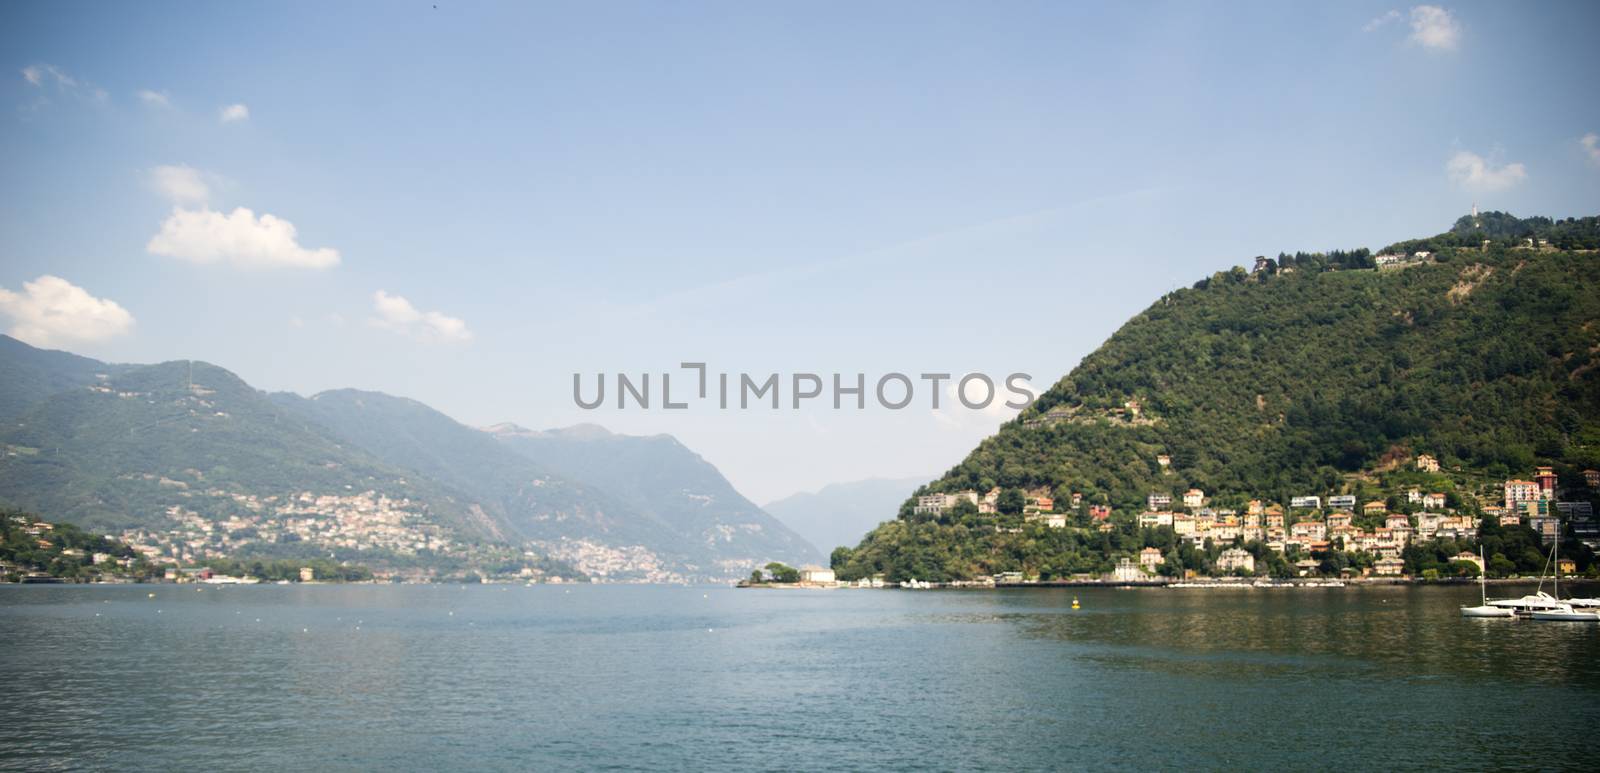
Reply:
x=551, y=677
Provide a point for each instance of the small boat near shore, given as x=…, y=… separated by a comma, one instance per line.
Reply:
x=1564, y=613
x=1560, y=611
x=1486, y=609
x=1530, y=603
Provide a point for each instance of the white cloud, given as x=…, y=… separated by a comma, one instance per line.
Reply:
x=236, y=112
x=1473, y=172
x=154, y=98
x=42, y=76
x=954, y=415
x=1380, y=21
x=238, y=238
x=399, y=315
x=1434, y=28
x=50, y=311
x=181, y=183
x=1591, y=145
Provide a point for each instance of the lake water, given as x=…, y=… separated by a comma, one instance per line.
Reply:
x=618, y=677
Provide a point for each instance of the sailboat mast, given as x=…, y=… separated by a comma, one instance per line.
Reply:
x=1483, y=577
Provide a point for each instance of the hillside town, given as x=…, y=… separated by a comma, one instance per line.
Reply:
x=366, y=521
x=1311, y=524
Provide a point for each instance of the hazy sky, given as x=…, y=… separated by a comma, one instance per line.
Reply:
x=467, y=204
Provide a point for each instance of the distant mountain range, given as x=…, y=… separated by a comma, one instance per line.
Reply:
x=675, y=497
x=188, y=457
x=841, y=513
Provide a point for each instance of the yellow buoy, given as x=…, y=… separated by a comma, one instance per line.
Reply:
x=1074, y=602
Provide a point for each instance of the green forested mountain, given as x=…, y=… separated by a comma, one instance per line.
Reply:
x=205, y=466
x=31, y=375
x=1311, y=375
x=669, y=485
x=120, y=452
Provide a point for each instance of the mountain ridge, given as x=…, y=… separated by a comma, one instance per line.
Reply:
x=184, y=444
x=1301, y=376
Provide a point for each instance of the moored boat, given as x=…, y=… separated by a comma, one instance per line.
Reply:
x=1529, y=603
x=1486, y=609
x=1565, y=613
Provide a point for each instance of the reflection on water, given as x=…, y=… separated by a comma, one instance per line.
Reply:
x=1400, y=631
x=357, y=677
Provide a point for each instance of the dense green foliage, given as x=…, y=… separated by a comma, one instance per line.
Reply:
x=782, y=573
x=27, y=546
x=30, y=375
x=323, y=570
x=1272, y=384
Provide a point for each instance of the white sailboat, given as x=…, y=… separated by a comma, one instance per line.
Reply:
x=1486, y=609
x=1532, y=602
x=1563, y=612
x=1529, y=603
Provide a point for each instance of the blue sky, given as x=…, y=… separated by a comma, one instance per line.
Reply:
x=539, y=190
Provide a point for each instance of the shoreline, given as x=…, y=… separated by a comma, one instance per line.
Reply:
x=1296, y=584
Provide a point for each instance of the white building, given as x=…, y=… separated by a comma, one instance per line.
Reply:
x=1388, y=567
x=1520, y=492
x=1127, y=571
x=816, y=574
x=1306, y=503
x=1150, y=559
x=1234, y=559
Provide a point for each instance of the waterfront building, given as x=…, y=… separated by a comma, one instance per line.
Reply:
x=1472, y=558
x=1150, y=559
x=1388, y=567
x=1234, y=559
x=1127, y=571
